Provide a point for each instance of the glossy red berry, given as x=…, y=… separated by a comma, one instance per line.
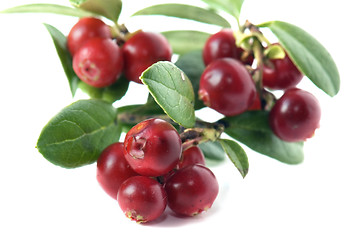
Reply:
x=280, y=74
x=153, y=147
x=227, y=87
x=223, y=44
x=99, y=62
x=142, y=199
x=84, y=30
x=113, y=169
x=191, y=156
x=220, y=45
x=142, y=50
x=295, y=116
x=256, y=105
x=191, y=190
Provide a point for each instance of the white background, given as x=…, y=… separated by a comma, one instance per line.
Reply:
x=319, y=199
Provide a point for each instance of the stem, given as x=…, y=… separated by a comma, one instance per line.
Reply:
x=194, y=136
x=267, y=98
x=133, y=119
x=258, y=73
x=119, y=33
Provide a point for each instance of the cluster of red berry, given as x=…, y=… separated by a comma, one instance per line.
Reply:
x=151, y=170
x=99, y=59
x=226, y=86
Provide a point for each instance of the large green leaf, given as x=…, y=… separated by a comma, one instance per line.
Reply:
x=185, y=12
x=192, y=65
x=183, y=41
x=308, y=54
x=66, y=60
x=232, y=7
x=78, y=133
x=108, y=8
x=48, y=8
x=172, y=90
x=236, y=154
x=252, y=129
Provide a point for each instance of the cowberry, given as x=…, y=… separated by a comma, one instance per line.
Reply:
x=191, y=156
x=191, y=190
x=99, y=62
x=257, y=104
x=295, y=116
x=280, y=74
x=84, y=30
x=113, y=169
x=142, y=50
x=227, y=87
x=152, y=147
x=223, y=44
x=142, y=199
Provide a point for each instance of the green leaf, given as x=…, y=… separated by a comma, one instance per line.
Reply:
x=130, y=115
x=172, y=90
x=274, y=52
x=192, y=65
x=78, y=133
x=212, y=150
x=66, y=60
x=237, y=155
x=183, y=41
x=48, y=8
x=308, y=54
x=185, y=12
x=232, y=7
x=109, y=94
x=252, y=129
x=108, y=8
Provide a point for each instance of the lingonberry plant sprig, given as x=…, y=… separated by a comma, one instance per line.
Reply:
x=161, y=159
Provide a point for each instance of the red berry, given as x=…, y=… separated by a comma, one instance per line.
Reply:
x=85, y=29
x=220, y=45
x=223, y=44
x=191, y=156
x=113, y=169
x=142, y=50
x=142, y=199
x=191, y=190
x=280, y=74
x=256, y=105
x=295, y=116
x=152, y=147
x=227, y=87
x=99, y=62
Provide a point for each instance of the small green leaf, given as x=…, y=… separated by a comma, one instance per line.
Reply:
x=212, y=150
x=108, y=8
x=252, y=129
x=237, y=155
x=66, y=60
x=78, y=133
x=48, y=8
x=185, y=12
x=172, y=90
x=109, y=94
x=192, y=65
x=308, y=54
x=183, y=41
x=274, y=52
x=232, y=7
